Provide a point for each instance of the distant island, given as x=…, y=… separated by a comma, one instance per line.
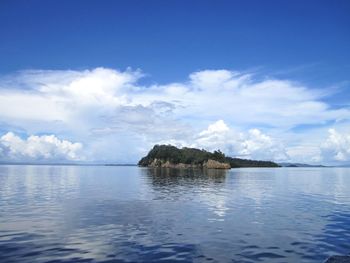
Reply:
x=169, y=156
x=301, y=165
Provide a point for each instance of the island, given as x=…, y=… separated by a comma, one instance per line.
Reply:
x=169, y=156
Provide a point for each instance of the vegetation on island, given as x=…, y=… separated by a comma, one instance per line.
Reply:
x=195, y=157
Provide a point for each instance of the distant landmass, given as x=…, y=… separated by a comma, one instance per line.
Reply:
x=299, y=165
x=172, y=157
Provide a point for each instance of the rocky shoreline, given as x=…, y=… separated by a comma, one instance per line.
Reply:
x=210, y=164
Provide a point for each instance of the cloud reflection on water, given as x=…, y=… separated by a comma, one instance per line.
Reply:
x=120, y=214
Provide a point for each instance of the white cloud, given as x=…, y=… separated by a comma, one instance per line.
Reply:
x=215, y=128
x=259, y=145
x=222, y=94
x=337, y=146
x=109, y=108
x=217, y=136
x=305, y=153
x=34, y=148
x=64, y=96
x=251, y=144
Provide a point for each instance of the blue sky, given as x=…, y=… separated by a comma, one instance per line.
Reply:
x=169, y=39
x=151, y=58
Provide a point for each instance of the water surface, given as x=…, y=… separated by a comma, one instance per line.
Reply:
x=131, y=214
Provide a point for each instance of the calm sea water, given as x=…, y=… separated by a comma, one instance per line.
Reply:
x=131, y=214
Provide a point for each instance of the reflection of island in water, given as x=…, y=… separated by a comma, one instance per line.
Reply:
x=184, y=177
x=129, y=214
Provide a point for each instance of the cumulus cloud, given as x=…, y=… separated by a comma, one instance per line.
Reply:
x=216, y=128
x=111, y=108
x=37, y=148
x=337, y=146
x=250, y=144
x=64, y=96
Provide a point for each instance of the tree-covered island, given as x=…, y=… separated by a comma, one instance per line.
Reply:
x=172, y=157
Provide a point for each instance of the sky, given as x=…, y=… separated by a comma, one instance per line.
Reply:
x=103, y=81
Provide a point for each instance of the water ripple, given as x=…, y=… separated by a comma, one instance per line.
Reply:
x=131, y=214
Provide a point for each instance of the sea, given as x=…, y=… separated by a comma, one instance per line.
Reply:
x=52, y=213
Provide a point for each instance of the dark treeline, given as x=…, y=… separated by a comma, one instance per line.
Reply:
x=196, y=156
